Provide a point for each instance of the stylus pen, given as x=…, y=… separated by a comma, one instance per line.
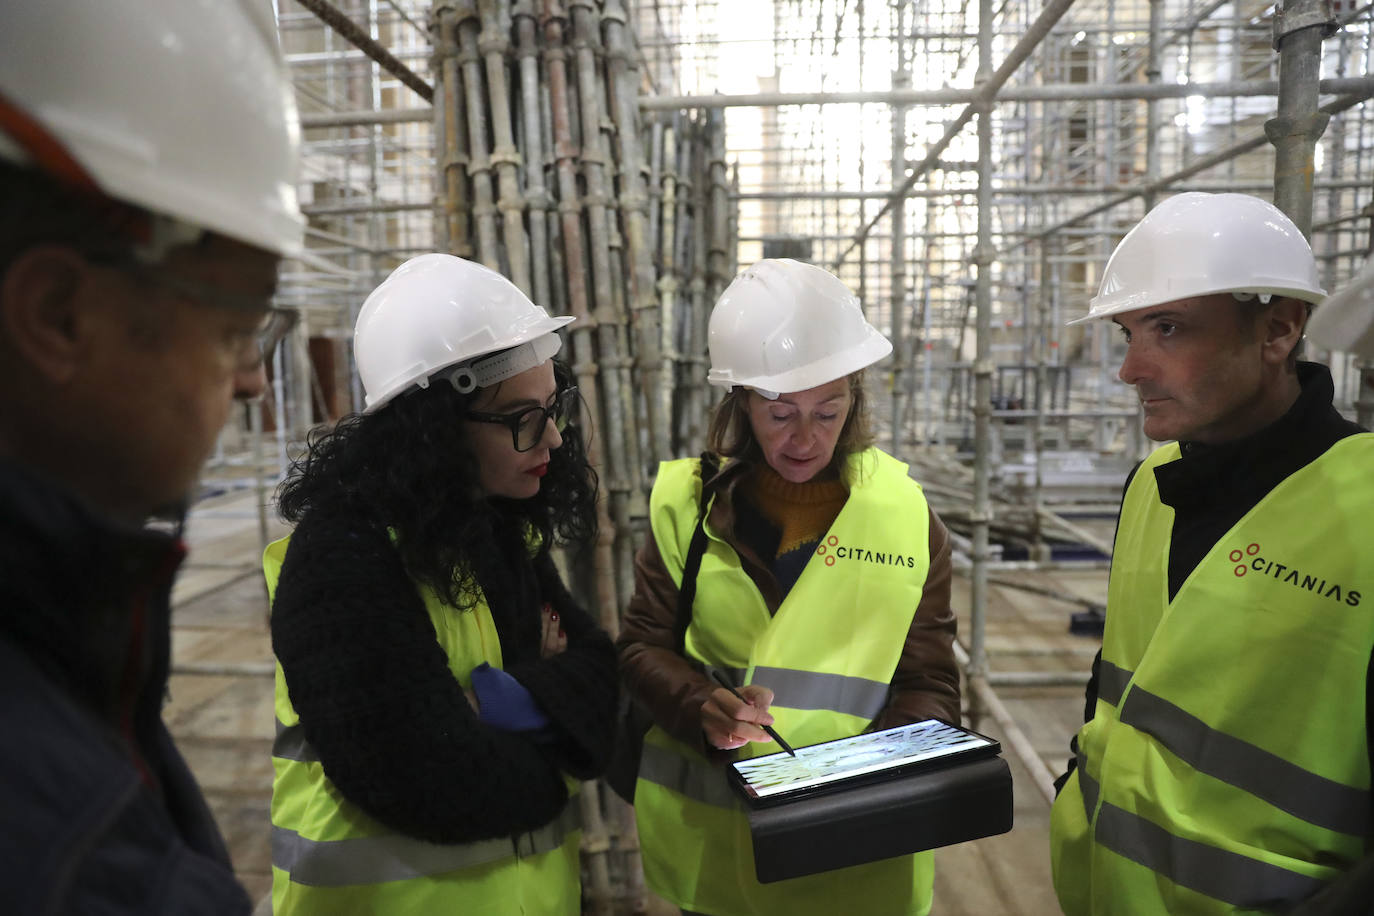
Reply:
x=722, y=681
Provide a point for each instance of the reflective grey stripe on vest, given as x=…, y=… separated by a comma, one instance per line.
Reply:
x=290, y=744
x=689, y=776
x=1227, y=876
x=393, y=857
x=855, y=696
x=1111, y=682
x=1283, y=784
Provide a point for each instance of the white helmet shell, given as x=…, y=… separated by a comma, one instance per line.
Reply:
x=1199, y=244
x=1345, y=320
x=784, y=326
x=184, y=109
x=436, y=311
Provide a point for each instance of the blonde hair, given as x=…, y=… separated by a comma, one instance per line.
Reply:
x=731, y=436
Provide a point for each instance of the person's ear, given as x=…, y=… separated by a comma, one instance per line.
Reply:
x=41, y=310
x=1283, y=329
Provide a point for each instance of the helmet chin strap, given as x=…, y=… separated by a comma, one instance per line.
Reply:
x=500, y=366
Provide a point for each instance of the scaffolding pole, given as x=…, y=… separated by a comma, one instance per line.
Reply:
x=984, y=92
x=1201, y=165
x=982, y=374
x=1299, y=29
x=901, y=79
x=1048, y=92
x=358, y=37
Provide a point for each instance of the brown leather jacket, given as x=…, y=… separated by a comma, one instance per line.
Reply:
x=925, y=684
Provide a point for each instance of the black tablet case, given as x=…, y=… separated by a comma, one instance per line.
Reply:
x=880, y=820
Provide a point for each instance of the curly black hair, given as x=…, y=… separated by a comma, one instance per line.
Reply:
x=409, y=468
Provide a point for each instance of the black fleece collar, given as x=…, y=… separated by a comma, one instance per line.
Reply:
x=69, y=581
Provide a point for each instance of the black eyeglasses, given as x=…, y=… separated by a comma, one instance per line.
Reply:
x=276, y=322
x=275, y=326
x=527, y=426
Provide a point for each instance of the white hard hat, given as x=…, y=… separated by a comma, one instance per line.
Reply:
x=785, y=326
x=1345, y=320
x=1198, y=244
x=436, y=311
x=184, y=109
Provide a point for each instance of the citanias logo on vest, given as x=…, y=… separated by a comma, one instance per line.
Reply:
x=833, y=550
x=1251, y=559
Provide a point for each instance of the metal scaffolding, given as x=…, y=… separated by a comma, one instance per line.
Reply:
x=966, y=167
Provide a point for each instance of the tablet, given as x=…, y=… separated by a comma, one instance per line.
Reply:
x=847, y=761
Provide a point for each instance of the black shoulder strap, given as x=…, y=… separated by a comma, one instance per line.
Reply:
x=688, y=592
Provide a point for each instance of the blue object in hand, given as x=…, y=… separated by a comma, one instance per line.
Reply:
x=504, y=702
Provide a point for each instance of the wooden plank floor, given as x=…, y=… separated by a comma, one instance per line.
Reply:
x=223, y=721
x=1010, y=874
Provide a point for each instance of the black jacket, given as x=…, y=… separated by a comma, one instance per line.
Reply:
x=98, y=812
x=378, y=703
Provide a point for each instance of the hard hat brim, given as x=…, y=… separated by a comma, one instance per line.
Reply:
x=821, y=372
x=1140, y=302
x=543, y=327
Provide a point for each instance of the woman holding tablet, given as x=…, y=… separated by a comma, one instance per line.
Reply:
x=438, y=690
x=822, y=591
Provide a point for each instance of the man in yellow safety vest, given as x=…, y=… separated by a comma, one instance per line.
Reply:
x=1225, y=763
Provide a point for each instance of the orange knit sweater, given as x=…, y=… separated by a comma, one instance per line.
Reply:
x=802, y=513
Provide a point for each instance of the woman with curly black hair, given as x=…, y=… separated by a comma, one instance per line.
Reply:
x=439, y=692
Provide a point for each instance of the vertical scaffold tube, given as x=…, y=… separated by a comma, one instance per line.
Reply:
x=720, y=258
x=698, y=359
x=654, y=176
x=450, y=116
x=685, y=322
x=982, y=368
x=644, y=308
x=1299, y=29
x=596, y=846
x=493, y=43
x=479, y=162
x=732, y=222
x=536, y=192
x=622, y=446
x=901, y=79
x=667, y=281
x=583, y=331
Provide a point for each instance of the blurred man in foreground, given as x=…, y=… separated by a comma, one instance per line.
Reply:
x=148, y=156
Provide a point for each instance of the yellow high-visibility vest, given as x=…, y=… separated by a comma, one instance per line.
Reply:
x=828, y=654
x=1226, y=766
x=328, y=856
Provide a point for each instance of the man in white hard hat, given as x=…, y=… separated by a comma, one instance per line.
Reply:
x=1225, y=764
x=148, y=154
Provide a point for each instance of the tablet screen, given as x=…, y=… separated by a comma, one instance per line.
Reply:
x=835, y=761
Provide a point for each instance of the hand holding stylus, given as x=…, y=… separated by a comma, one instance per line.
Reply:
x=732, y=718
